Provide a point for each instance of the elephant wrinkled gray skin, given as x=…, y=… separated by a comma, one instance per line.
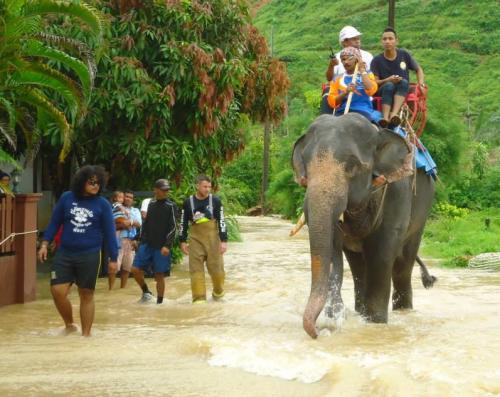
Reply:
x=382, y=227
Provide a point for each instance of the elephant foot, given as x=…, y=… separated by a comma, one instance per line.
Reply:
x=334, y=316
x=360, y=308
x=335, y=312
x=402, y=301
x=379, y=318
x=310, y=327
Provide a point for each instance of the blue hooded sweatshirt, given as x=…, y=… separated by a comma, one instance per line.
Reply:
x=86, y=221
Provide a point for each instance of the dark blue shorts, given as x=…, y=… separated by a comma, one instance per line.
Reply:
x=79, y=268
x=147, y=255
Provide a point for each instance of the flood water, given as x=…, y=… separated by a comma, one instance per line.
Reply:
x=252, y=344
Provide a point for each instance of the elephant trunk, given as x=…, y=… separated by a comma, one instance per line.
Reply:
x=326, y=201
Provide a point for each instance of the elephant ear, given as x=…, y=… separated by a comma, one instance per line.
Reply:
x=298, y=165
x=393, y=156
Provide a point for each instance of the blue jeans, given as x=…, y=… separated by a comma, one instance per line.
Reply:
x=388, y=90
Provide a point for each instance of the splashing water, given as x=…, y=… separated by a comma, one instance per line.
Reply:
x=252, y=343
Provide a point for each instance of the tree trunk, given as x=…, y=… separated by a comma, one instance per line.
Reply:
x=265, y=165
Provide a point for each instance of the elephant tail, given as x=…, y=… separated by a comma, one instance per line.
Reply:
x=428, y=279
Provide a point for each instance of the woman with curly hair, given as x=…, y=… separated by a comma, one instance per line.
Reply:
x=87, y=222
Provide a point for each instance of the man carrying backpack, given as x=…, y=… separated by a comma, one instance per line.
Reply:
x=203, y=214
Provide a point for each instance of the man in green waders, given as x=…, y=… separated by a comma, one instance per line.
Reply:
x=204, y=215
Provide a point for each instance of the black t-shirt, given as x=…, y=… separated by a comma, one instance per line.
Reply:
x=159, y=227
x=208, y=208
x=383, y=68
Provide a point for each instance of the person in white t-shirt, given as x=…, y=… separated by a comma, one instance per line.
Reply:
x=349, y=36
x=144, y=207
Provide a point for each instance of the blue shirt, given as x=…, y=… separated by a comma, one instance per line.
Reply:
x=135, y=215
x=87, y=223
x=361, y=101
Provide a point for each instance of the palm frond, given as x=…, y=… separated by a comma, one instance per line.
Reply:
x=10, y=110
x=33, y=139
x=67, y=43
x=89, y=15
x=14, y=6
x=8, y=134
x=18, y=26
x=38, y=74
x=35, y=48
x=6, y=158
x=37, y=98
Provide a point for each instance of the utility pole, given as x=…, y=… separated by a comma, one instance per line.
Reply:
x=469, y=116
x=267, y=146
x=392, y=14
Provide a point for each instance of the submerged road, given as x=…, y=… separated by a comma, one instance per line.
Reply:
x=252, y=343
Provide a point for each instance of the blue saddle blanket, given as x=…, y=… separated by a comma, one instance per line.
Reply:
x=424, y=158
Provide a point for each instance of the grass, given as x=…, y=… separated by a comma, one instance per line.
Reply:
x=457, y=239
x=454, y=41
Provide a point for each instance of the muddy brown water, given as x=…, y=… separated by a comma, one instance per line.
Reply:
x=252, y=344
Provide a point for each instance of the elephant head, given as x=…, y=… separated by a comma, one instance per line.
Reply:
x=338, y=156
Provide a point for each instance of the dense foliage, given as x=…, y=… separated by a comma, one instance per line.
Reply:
x=35, y=68
x=457, y=54
x=176, y=86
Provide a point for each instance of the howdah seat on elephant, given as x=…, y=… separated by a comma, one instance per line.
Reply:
x=381, y=229
x=414, y=110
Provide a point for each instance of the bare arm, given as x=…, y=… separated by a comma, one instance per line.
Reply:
x=420, y=76
x=329, y=71
x=393, y=79
x=369, y=84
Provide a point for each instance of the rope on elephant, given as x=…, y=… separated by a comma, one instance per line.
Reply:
x=379, y=210
x=412, y=139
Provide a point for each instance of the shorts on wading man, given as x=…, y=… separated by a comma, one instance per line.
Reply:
x=203, y=215
x=157, y=239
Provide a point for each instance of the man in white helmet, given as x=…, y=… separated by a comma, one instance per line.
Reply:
x=349, y=36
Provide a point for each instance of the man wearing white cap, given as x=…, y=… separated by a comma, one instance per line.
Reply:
x=349, y=36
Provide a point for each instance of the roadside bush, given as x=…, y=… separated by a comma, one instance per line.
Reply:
x=285, y=195
x=449, y=210
x=474, y=192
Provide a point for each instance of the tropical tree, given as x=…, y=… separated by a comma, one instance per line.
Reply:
x=44, y=78
x=174, y=89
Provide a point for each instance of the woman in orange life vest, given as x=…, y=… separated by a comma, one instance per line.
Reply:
x=363, y=88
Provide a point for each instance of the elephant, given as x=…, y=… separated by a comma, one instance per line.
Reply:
x=377, y=228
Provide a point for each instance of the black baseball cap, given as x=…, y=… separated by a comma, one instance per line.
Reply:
x=162, y=184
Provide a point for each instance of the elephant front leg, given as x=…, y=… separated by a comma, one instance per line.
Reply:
x=402, y=297
x=380, y=256
x=358, y=269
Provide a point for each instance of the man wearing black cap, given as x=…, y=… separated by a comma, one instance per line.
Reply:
x=157, y=238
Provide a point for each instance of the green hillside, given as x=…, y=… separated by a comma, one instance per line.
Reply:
x=456, y=42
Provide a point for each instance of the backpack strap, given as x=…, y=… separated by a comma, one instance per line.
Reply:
x=191, y=201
